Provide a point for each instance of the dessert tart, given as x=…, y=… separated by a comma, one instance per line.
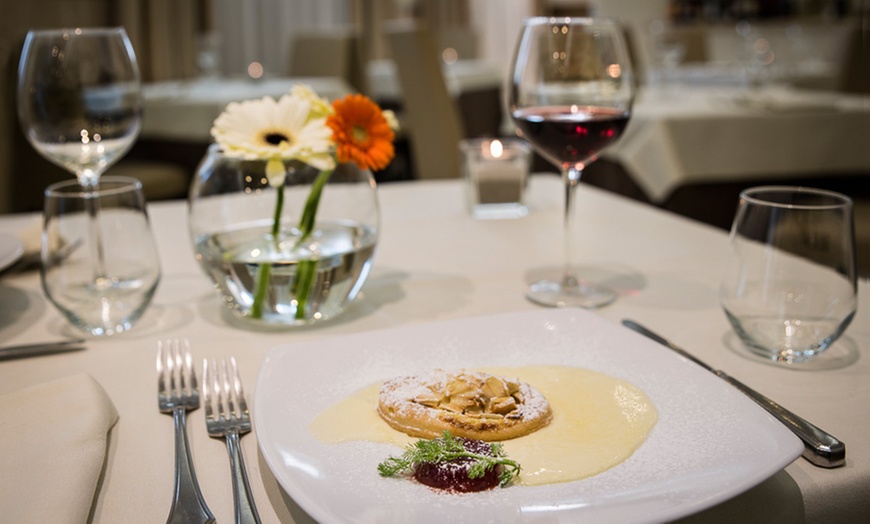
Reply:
x=473, y=405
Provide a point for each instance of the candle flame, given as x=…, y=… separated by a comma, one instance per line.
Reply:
x=496, y=149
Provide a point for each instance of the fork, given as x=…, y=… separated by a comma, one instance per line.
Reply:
x=226, y=416
x=177, y=394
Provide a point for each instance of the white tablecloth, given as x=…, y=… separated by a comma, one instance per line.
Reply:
x=682, y=135
x=666, y=269
x=186, y=110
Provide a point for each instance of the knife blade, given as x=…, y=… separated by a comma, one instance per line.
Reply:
x=820, y=447
x=43, y=348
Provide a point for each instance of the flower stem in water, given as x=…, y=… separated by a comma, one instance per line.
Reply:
x=264, y=272
x=304, y=281
x=306, y=223
x=307, y=268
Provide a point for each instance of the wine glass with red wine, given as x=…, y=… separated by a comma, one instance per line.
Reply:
x=570, y=97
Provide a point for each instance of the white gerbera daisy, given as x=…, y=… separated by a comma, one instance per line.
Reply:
x=320, y=108
x=391, y=119
x=266, y=128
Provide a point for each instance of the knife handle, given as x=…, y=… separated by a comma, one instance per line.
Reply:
x=43, y=348
x=820, y=447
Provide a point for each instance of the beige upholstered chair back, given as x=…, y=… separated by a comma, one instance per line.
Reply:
x=336, y=53
x=463, y=42
x=430, y=113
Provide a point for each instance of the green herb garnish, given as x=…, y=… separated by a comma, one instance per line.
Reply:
x=446, y=449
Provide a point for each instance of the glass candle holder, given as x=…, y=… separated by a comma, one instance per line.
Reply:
x=496, y=172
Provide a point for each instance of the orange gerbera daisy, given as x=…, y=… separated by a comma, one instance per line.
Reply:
x=361, y=133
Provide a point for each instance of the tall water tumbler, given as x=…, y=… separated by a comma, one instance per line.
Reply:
x=791, y=287
x=98, y=298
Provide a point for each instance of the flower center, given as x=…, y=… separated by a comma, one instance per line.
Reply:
x=359, y=134
x=276, y=137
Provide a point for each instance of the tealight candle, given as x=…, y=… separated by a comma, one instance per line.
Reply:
x=496, y=171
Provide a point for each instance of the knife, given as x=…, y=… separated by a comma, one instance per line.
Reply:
x=820, y=447
x=44, y=348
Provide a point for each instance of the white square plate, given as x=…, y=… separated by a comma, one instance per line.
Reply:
x=709, y=444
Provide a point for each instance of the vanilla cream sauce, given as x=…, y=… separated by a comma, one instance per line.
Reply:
x=598, y=422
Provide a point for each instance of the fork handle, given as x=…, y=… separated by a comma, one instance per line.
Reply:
x=188, y=506
x=243, y=499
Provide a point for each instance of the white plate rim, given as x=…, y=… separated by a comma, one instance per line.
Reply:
x=290, y=370
x=11, y=249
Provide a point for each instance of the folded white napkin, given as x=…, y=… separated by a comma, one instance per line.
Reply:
x=52, y=449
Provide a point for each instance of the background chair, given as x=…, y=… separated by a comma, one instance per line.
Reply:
x=336, y=53
x=855, y=72
x=461, y=40
x=430, y=114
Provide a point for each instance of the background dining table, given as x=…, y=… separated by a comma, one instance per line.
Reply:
x=434, y=263
x=684, y=134
x=185, y=110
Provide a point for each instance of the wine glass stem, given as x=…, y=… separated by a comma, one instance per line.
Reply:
x=92, y=206
x=571, y=176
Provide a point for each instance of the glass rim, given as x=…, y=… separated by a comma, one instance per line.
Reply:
x=73, y=189
x=755, y=195
x=569, y=20
x=77, y=31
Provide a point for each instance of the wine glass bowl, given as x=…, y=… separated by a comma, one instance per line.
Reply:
x=79, y=98
x=571, y=94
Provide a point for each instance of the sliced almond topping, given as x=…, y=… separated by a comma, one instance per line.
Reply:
x=503, y=405
x=431, y=400
x=495, y=387
x=491, y=398
x=450, y=406
x=463, y=402
x=458, y=385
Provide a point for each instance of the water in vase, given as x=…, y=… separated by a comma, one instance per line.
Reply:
x=337, y=258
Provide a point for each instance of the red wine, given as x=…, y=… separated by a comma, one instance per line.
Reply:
x=570, y=134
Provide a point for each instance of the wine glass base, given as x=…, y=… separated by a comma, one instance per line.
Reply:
x=555, y=294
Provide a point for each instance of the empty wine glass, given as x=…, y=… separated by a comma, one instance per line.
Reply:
x=79, y=98
x=571, y=96
x=668, y=51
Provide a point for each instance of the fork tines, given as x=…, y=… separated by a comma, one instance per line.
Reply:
x=176, y=379
x=222, y=393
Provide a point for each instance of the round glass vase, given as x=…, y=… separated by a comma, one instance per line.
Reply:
x=247, y=237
